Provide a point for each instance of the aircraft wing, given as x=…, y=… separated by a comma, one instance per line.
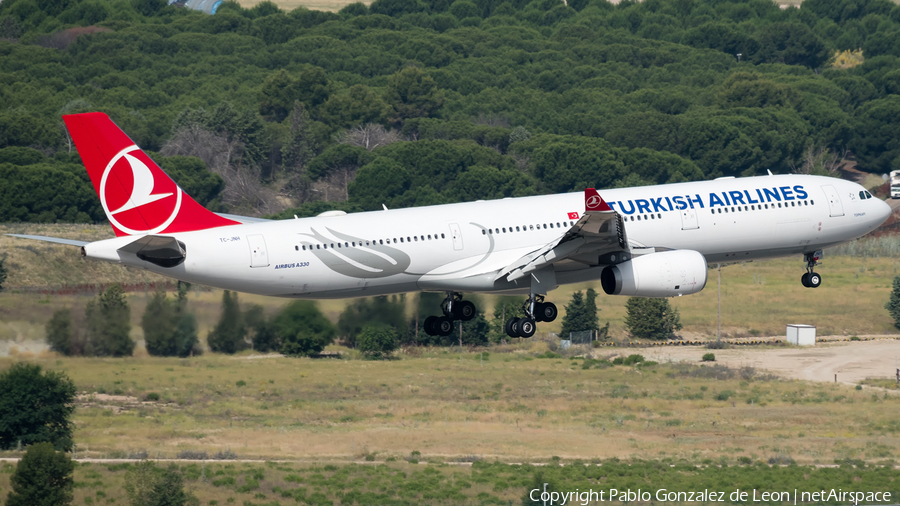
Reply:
x=58, y=240
x=600, y=231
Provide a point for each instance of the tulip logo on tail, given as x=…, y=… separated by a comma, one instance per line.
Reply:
x=134, y=201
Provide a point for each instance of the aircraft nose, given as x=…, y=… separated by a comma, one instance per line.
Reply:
x=883, y=211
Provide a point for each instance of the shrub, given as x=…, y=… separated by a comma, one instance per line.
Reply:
x=893, y=303
x=651, y=318
x=147, y=485
x=109, y=324
x=724, y=395
x=709, y=357
x=374, y=311
x=192, y=455
x=228, y=334
x=35, y=407
x=225, y=455
x=61, y=333
x=303, y=329
x=633, y=359
x=377, y=341
x=152, y=396
x=42, y=478
x=3, y=272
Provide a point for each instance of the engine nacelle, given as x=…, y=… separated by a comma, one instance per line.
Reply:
x=662, y=274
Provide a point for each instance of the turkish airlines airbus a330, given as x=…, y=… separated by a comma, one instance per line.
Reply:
x=651, y=241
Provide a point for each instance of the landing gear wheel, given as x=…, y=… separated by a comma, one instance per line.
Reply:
x=443, y=326
x=814, y=280
x=512, y=327
x=805, y=280
x=527, y=327
x=464, y=310
x=429, y=326
x=545, y=312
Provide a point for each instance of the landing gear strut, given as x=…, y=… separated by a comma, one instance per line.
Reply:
x=811, y=279
x=454, y=308
x=536, y=310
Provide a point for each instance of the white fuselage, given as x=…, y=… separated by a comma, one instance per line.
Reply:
x=461, y=246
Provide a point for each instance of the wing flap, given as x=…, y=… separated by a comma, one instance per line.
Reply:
x=600, y=230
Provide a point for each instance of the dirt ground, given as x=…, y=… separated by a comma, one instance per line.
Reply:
x=852, y=361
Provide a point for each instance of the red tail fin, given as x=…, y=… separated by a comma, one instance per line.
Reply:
x=594, y=202
x=137, y=196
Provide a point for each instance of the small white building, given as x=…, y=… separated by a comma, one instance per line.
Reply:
x=802, y=335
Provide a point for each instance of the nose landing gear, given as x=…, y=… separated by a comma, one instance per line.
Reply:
x=811, y=279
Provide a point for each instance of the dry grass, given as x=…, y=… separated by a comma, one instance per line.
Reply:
x=510, y=407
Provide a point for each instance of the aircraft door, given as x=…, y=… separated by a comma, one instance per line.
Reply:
x=456, y=235
x=689, y=219
x=259, y=257
x=834, y=200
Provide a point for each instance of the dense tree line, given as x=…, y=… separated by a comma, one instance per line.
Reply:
x=415, y=102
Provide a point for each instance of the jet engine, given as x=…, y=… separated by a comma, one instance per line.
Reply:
x=661, y=274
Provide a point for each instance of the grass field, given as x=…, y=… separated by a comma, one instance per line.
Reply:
x=508, y=404
x=414, y=483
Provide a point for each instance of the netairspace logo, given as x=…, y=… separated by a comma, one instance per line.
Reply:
x=591, y=496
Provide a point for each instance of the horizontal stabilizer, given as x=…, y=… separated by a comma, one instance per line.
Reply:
x=242, y=219
x=58, y=240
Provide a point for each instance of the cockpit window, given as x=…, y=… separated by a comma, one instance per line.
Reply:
x=862, y=195
x=868, y=195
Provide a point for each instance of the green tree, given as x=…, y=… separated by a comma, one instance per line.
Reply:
x=893, y=304
x=109, y=324
x=359, y=105
x=303, y=329
x=158, y=323
x=876, y=144
x=277, y=95
x=61, y=333
x=262, y=330
x=476, y=331
x=43, y=477
x=193, y=176
x=377, y=341
x=229, y=333
x=412, y=94
x=576, y=318
x=651, y=318
x=3, y=272
x=148, y=485
x=505, y=308
x=35, y=407
x=169, y=329
x=365, y=312
x=589, y=310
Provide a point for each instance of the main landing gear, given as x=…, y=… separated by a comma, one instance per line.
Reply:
x=811, y=279
x=536, y=310
x=454, y=308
